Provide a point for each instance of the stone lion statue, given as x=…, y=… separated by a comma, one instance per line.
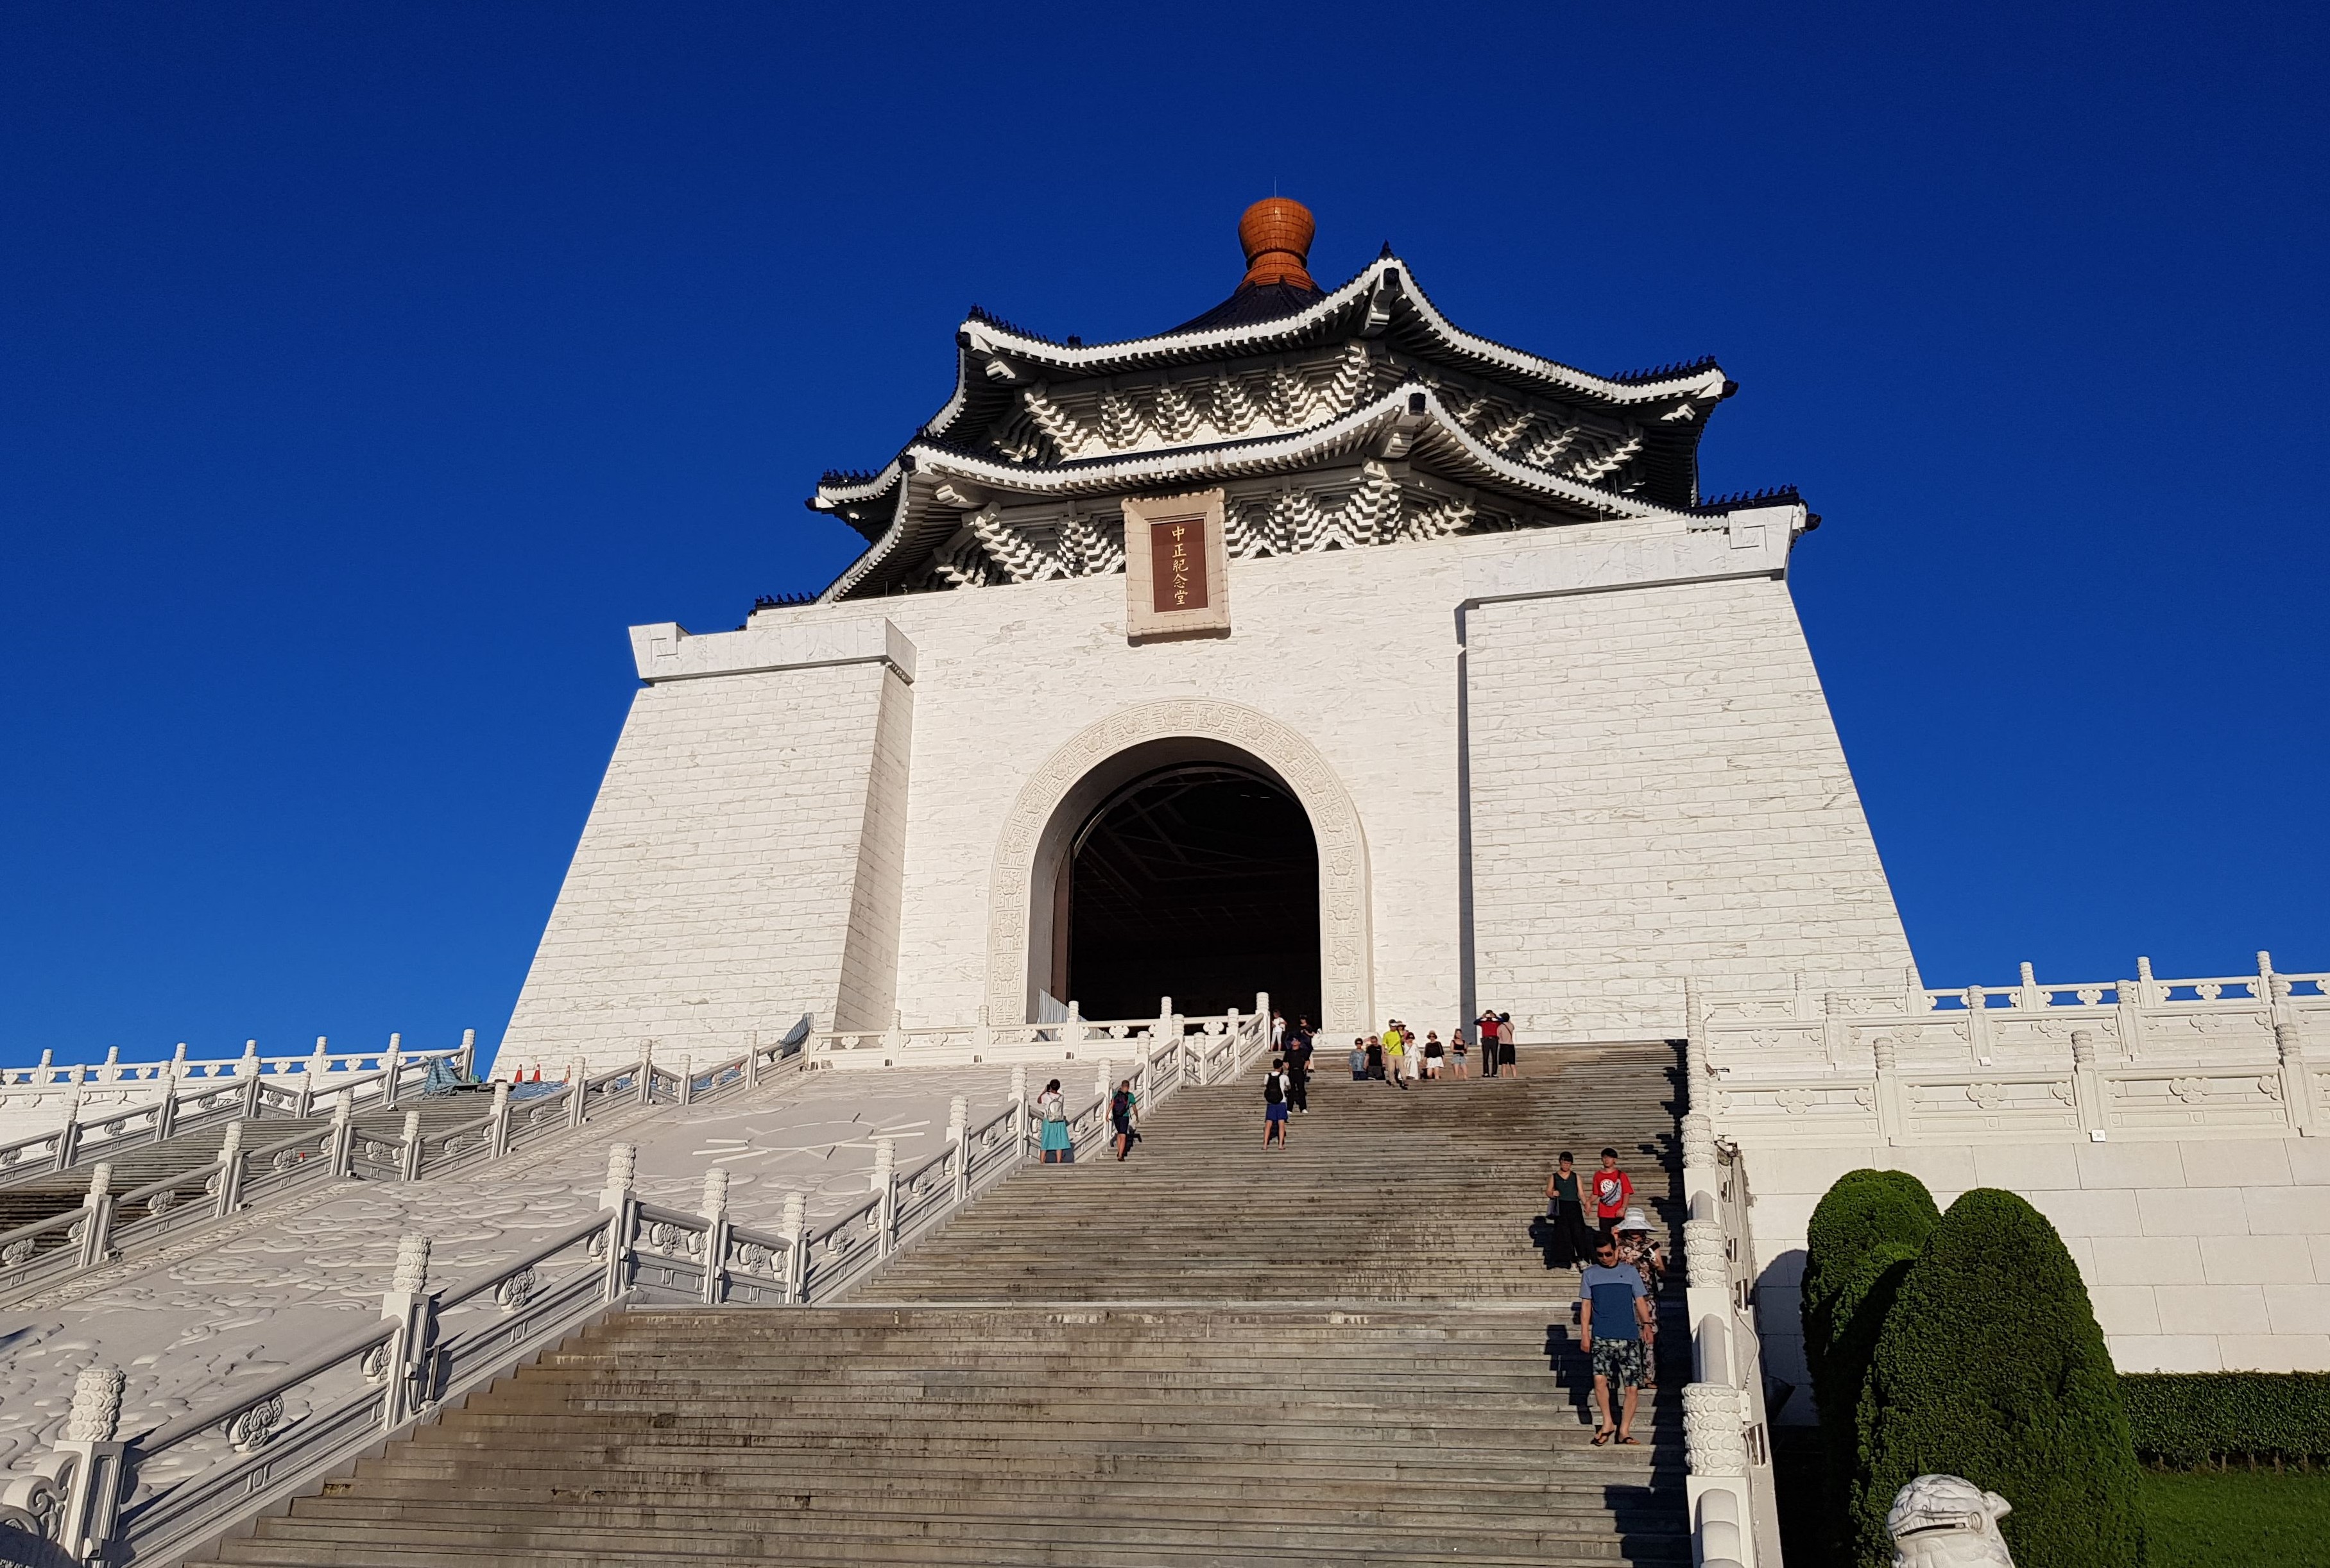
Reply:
x=1946, y=1522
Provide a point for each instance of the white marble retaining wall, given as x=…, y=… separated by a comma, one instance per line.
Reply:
x=2200, y=1256
x=1654, y=787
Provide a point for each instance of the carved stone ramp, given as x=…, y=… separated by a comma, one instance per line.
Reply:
x=1206, y=1355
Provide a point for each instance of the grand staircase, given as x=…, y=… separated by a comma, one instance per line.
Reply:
x=1345, y=1353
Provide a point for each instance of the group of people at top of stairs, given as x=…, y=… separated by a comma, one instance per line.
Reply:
x=1393, y=1056
x=1621, y=1268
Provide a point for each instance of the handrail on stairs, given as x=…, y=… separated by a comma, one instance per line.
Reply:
x=100, y=1497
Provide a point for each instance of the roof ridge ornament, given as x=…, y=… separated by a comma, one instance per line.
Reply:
x=1275, y=234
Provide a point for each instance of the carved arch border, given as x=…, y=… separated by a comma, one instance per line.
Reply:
x=1345, y=949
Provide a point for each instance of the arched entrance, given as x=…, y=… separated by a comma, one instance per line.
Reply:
x=1071, y=788
x=1201, y=879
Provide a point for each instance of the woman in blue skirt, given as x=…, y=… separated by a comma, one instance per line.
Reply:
x=1052, y=1111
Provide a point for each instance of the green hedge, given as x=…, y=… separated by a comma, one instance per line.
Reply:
x=2194, y=1418
x=1991, y=1366
x=1859, y=1244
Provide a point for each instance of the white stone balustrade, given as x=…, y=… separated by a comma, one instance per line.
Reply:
x=2148, y=1058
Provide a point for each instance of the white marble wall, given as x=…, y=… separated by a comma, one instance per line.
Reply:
x=1658, y=790
x=721, y=886
x=2198, y=1256
x=1655, y=784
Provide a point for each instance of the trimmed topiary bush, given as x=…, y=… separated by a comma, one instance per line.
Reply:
x=1867, y=1228
x=2196, y=1418
x=1991, y=1366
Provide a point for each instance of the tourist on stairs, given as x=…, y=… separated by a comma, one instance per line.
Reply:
x=1612, y=1294
x=1613, y=1190
x=1487, y=1025
x=1360, y=1055
x=1434, y=1054
x=1456, y=1050
x=1570, y=1241
x=1120, y=1116
x=1052, y=1113
x=1273, y=1106
x=1298, y=1069
x=1509, y=1064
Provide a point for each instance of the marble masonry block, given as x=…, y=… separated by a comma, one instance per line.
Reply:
x=2090, y=1213
x=2257, y=1260
x=2291, y=1211
x=2237, y=1163
x=2193, y=1212
x=2028, y=1168
x=2146, y=1261
x=2125, y=1309
x=2212, y=1309
x=2298, y=1308
x=2166, y=1353
x=2273, y=1352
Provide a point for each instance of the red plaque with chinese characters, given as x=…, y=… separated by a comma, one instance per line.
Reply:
x=1177, y=564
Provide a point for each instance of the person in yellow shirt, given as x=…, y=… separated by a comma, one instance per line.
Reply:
x=1395, y=1040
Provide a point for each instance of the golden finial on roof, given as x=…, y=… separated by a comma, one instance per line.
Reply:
x=1275, y=234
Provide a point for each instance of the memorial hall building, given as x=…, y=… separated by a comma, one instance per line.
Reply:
x=1317, y=646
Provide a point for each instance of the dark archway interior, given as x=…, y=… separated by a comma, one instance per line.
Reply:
x=1198, y=882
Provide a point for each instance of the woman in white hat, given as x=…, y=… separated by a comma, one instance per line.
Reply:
x=1637, y=1246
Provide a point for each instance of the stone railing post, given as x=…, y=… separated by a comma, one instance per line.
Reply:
x=982, y=1037
x=1019, y=1112
x=646, y=1073
x=226, y=1186
x=2149, y=992
x=96, y=1225
x=1833, y=1031
x=1892, y=1102
x=1101, y=1084
x=392, y=1067
x=616, y=1200
x=405, y=1367
x=1142, y=1076
x=1072, y=1032
x=687, y=1079
x=578, y=1079
x=90, y=1498
x=2029, y=997
x=1696, y=1070
x=894, y=1038
x=794, y=1228
x=958, y=1134
x=408, y=1156
x=1977, y=1026
x=886, y=1183
x=341, y=1152
x=715, y=1236
x=248, y=1066
x=165, y=1109
x=68, y=1135
x=2087, y=1088
x=2296, y=1083
x=469, y=1056
x=2128, y=1003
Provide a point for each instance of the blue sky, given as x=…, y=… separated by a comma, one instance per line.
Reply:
x=364, y=371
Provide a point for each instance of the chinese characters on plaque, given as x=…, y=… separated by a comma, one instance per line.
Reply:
x=1176, y=567
x=1177, y=564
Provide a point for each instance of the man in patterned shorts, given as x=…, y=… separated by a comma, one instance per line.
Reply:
x=1616, y=1328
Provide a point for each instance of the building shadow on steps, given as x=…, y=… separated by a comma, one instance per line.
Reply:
x=1572, y=1370
x=1649, y=1521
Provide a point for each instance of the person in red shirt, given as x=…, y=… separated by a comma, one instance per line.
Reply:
x=1612, y=1191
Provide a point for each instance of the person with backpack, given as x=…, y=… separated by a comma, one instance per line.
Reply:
x=1273, y=1105
x=1052, y=1114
